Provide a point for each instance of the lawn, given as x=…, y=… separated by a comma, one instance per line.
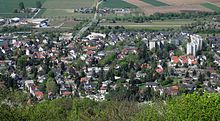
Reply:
x=155, y=3
x=211, y=6
x=117, y=4
x=7, y=7
x=68, y=4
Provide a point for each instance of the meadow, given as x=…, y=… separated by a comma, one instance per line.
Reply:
x=7, y=7
x=67, y=4
x=50, y=7
x=62, y=13
x=117, y=4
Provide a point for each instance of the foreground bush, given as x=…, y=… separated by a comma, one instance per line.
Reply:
x=190, y=107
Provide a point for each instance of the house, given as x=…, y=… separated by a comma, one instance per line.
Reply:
x=183, y=60
x=103, y=88
x=175, y=60
x=2, y=21
x=153, y=85
x=145, y=66
x=4, y=43
x=159, y=69
x=67, y=93
x=15, y=20
x=192, y=60
x=39, y=22
x=173, y=90
x=84, y=80
x=39, y=95
x=29, y=84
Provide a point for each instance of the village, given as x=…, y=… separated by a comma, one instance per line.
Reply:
x=99, y=65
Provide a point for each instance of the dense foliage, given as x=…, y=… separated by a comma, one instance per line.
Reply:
x=187, y=107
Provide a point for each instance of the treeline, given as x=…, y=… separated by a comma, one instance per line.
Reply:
x=186, y=107
x=15, y=29
x=164, y=16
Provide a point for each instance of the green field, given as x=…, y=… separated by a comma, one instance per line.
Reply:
x=117, y=4
x=155, y=2
x=211, y=6
x=50, y=7
x=7, y=7
x=67, y=4
x=64, y=8
x=62, y=13
x=152, y=25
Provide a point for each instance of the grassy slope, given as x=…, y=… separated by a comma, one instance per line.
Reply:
x=211, y=6
x=155, y=2
x=117, y=4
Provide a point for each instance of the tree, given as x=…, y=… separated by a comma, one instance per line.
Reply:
x=21, y=6
x=38, y=4
x=51, y=86
x=22, y=61
x=51, y=74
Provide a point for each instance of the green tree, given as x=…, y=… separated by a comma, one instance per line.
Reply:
x=21, y=6
x=22, y=61
x=38, y=4
x=51, y=85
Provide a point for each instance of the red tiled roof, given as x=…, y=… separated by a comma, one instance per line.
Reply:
x=175, y=59
x=39, y=94
x=184, y=59
x=40, y=54
x=193, y=59
x=67, y=93
x=159, y=70
x=145, y=65
x=90, y=52
x=90, y=47
x=84, y=79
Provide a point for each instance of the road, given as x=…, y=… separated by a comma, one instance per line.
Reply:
x=35, y=13
x=94, y=20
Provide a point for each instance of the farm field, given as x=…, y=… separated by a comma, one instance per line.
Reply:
x=166, y=6
x=211, y=6
x=67, y=4
x=50, y=7
x=155, y=2
x=138, y=3
x=117, y=4
x=154, y=24
x=7, y=7
x=163, y=6
x=56, y=8
x=182, y=2
x=63, y=13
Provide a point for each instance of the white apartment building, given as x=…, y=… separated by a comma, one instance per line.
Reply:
x=194, y=45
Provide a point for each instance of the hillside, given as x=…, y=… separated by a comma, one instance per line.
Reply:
x=187, y=107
